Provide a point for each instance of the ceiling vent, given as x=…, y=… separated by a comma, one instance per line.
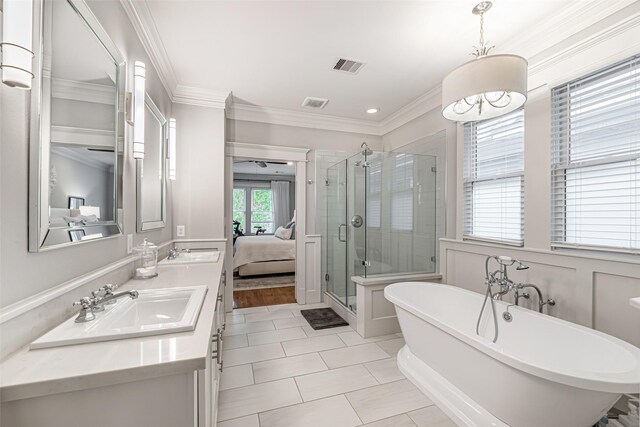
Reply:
x=348, y=65
x=315, y=103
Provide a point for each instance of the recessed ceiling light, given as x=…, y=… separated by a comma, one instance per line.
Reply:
x=373, y=110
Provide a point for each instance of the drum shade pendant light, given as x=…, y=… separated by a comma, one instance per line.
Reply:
x=486, y=87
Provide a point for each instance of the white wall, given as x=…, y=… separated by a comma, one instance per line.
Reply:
x=198, y=201
x=24, y=274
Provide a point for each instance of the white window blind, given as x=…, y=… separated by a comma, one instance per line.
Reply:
x=596, y=160
x=402, y=193
x=374, y=194
x=494, y=179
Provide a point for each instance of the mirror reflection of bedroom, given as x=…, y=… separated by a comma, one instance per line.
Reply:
x=264, y=246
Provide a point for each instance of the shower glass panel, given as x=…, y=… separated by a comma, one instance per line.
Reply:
x=336, y=240
x=357, y=226
x=401, y=202
x=381, y=219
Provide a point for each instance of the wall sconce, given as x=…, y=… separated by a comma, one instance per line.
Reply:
x=139, y=93
x=17, y=45
x=172, y=149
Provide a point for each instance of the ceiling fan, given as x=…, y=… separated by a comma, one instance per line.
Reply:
x=262, y=163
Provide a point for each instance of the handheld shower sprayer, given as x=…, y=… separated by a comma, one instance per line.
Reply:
x=500, y=278
x=508, y=261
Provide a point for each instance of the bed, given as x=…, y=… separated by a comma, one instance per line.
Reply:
x=256, y=255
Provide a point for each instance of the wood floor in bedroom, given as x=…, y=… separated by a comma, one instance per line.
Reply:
x=264, y=296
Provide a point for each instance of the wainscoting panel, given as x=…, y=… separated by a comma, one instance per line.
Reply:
x=611, y=309
x=313, y=273
x=590, y=290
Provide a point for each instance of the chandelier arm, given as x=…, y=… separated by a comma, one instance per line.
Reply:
x=498, y=106
x=465, y=111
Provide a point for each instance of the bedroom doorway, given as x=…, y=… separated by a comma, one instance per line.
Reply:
x=264, y=249
x=305, y=290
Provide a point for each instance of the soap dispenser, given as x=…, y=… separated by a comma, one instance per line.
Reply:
x=146, y=262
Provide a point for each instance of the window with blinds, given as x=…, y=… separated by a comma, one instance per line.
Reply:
x=494, y=179
x=596, y=160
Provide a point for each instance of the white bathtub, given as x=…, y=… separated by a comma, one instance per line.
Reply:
x=541, y=372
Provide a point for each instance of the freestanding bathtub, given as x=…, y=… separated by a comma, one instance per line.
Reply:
x=541, y=372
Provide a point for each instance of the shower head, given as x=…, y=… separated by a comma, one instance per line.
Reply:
x=365, y=149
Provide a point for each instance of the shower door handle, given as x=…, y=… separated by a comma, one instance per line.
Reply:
x=340, y=233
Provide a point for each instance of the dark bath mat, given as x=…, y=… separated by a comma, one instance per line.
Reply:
x=323, y=318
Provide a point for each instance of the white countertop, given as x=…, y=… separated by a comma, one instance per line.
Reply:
x=31, y=373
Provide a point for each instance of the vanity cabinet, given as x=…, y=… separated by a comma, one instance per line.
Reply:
x=161, y=381
x=209, y=379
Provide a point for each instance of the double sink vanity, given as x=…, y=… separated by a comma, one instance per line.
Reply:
x=154, y=359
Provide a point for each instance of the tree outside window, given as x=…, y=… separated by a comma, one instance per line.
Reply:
x=262, y=210
x=239, y=207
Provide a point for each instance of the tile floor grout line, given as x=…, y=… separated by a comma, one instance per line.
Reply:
x=354, y=409
x=364, y=365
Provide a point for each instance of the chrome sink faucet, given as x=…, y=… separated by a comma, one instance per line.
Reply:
x=99, y=303
x=96, y=303
x=174, y=252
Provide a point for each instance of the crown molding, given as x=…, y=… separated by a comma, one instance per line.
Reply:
x=75, y=156
x=629, y=25
x=140, y=17
x=265, y=152
x=81, y=91
x=201, y=97
x=279, y=116
x=416, y=108
x=571, y=19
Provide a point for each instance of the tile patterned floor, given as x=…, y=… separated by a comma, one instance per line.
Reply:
x=281, y=373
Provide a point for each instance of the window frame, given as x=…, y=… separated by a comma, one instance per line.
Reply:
x=562, y=162
x=471, y=178
x=243, y=211
x=252, y=211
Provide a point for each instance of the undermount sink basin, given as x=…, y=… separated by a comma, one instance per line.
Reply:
x=192, y=258
x=154, y=312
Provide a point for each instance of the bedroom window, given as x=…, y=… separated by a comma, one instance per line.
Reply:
x=494, y=179
x=240, y=207
x=262, y=209
x=596, y=160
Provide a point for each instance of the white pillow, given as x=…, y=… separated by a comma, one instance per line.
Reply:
x=283, y=233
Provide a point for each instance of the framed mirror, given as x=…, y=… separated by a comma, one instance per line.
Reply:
x=77, y=129
x=151, y=171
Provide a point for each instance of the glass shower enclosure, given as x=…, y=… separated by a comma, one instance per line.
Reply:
x=381, y=219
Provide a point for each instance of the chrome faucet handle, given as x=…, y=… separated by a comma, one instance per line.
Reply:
x=85, y=302
x=86, y=312
x=95, y=301
x=108, y=290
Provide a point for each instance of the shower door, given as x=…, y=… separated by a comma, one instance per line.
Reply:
x=357, y=261
x=336, y=242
